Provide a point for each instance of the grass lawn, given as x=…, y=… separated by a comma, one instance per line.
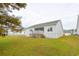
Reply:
x=25, y=46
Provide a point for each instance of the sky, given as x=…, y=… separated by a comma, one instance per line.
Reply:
x=36, y=13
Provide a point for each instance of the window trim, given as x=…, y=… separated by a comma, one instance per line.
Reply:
x=50, y=29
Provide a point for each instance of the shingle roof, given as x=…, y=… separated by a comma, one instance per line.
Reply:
x=45, y=24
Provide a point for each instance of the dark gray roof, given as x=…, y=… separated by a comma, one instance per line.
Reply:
x=45, y=24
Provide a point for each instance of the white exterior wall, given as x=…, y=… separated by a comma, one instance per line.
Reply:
x=50, y=34
x=15, y=33
x=57, y=31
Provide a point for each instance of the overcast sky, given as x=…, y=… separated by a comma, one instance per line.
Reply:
x=36, y=13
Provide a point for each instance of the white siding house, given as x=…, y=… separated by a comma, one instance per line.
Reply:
x=53, y=29
x=15, y=33
x=78, y=25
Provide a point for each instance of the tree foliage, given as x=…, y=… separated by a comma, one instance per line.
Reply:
x=8, y=22
x=10, y=6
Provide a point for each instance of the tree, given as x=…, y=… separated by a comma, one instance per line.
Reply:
x=7, y=21
x=9, y=6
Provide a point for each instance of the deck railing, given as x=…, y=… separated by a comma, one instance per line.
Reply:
x=38, y=32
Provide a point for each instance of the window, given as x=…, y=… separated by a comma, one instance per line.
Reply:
x=49, y=29
x=39, y=29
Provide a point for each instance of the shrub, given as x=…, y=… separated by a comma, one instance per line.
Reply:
x=38, y=36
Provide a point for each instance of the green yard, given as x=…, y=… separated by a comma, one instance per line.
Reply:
x=25, y=46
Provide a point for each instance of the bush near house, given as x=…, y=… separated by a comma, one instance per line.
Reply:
x=26, y=46
x=38, y=36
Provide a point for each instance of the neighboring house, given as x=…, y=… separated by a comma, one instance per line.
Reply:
x=78, y=25
x=53, y=29
x=70, y=32
x=19, y=31
x=15, y=33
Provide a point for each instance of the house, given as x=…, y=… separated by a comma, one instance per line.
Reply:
x=53, y=29
x=69, y=32
x=78, y=25
x=15, y=33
